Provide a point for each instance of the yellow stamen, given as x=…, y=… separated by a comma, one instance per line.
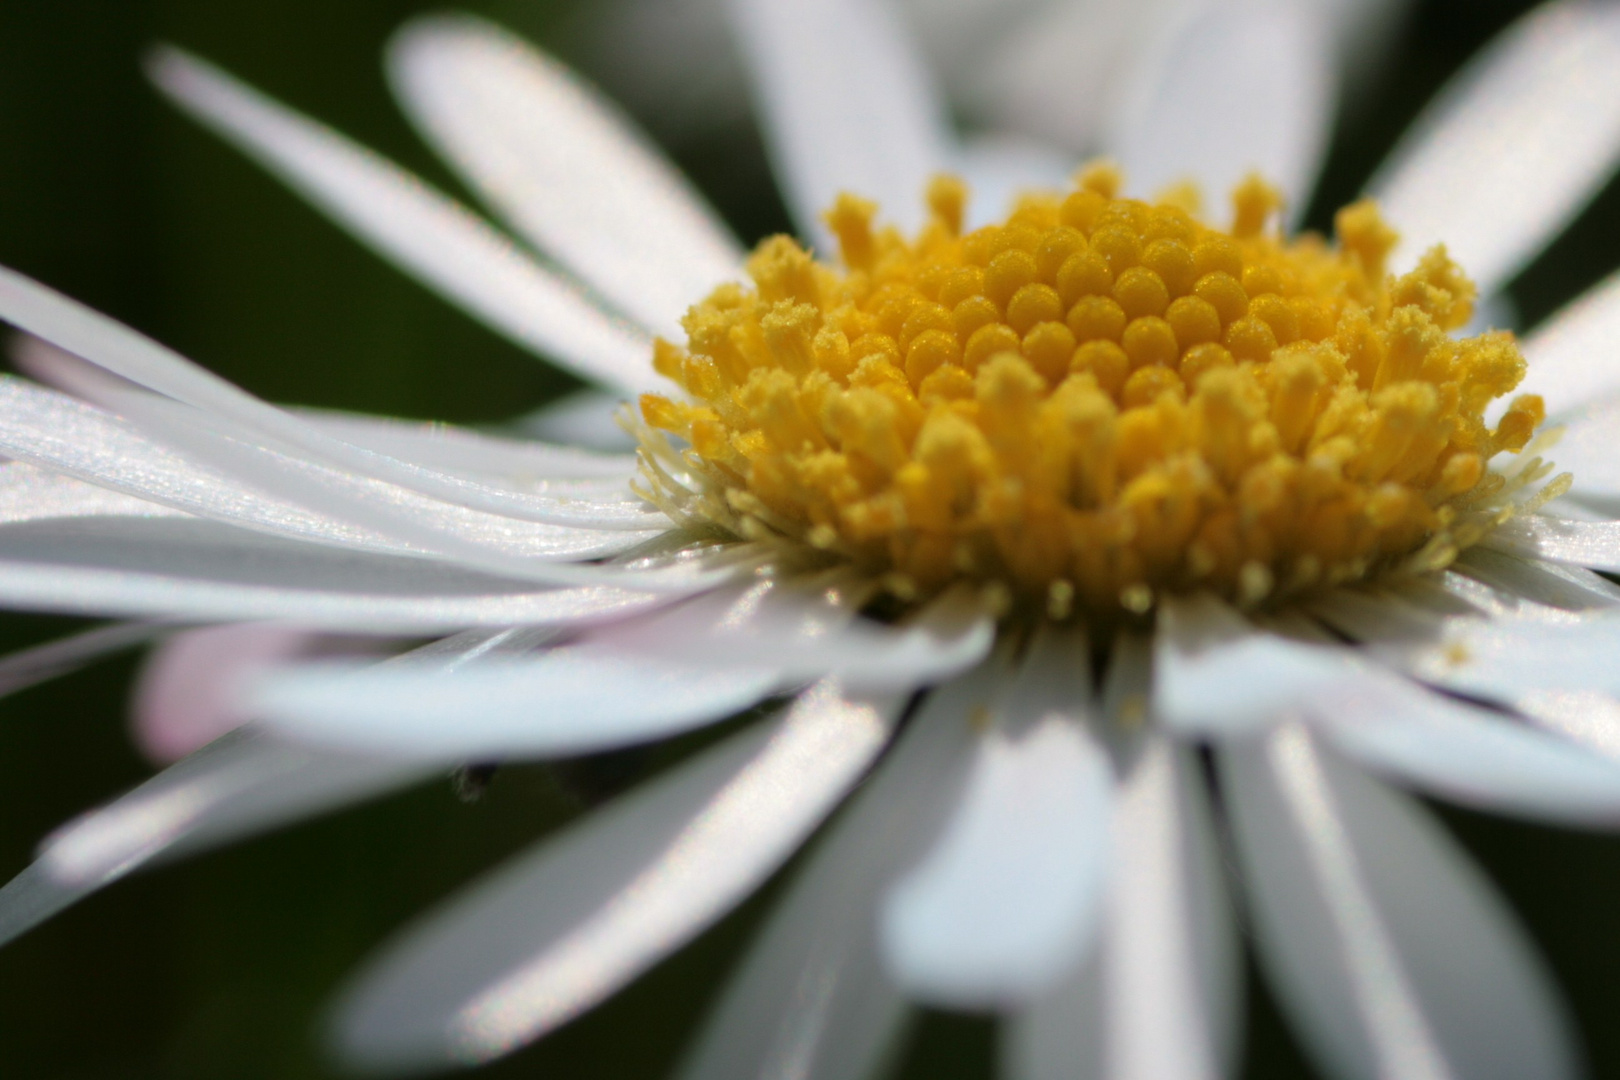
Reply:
x=1098, y=401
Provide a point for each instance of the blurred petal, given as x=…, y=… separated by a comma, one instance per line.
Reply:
x=811, y=1000
x=1005, y=902
x=185, y=695
x=28, y=667
x=242, y=784
x=846, y=107
x=589, y=910
x=586, y=418
x=1574, y=356
x=564, y=166
x=424, y=233
x=1514, y=146
x=1191, y=112
x=572, y=700
x=1161, y=1001
x=1390, y=951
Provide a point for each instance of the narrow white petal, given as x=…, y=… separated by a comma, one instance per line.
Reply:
x=999, y=167
x=242, y=784
x=802, y=634
x=1555, y=584
x=1592, y=544
x=572, y=700
x=811, y=1000
x=1500, y=660
x=564, y=166
x=1468, y=755
x=1389, y=950
x=1161, y=1001
x=1574, y=356
x=1006, y=901
x=1216, y=674
x=29, y=667
x=567, y=925
x=420, y=230
x=1191, y=112
x=1511, y=149
x=190, y=575
x=846, y=106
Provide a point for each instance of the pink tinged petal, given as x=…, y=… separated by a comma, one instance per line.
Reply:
x=1568, y=355
x=589, y=910
x=1214, y=674
x=802, y=634
x=1006, y=901
x=1390, y=951
x=1190, y=112
x=1161, y=1000
x=423, y=232
x=1512, y=149
x=564, y=166
x=811, y=999
x=242, y=784
x=186, y=693
x=846, y=106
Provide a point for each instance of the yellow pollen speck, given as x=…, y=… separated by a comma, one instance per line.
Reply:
x=1095, y=402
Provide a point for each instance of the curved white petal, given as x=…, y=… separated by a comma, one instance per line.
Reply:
x=1215, y=674
x=242, y=784
x=811, y=1000
x=1574, y=356
x=563, y=927
x=1500, y=660
x=203, y=572
x=28, y=667
x=564, y=166
x=1389, y=950
x=1161, y=1000
x=846, y=106
x=1514, y=146
x=1194, y=109
x=1006, y=901
x=802, y=634
x=572, y=700
x=1468, y=755
x=1592, y=544
x=418, y=229
x=1555, y=584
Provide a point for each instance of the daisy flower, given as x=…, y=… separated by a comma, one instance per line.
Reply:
x=1068, y=549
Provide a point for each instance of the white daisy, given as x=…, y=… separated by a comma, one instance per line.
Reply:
x=1048, y=643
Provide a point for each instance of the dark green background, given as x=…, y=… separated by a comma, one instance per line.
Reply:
x=218, y=967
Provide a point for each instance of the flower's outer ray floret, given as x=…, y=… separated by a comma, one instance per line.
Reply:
x=1096, y=401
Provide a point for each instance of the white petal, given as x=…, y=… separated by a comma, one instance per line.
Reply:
x=1215, y=674
x=28, y=667
x=242, y=784
x=562, y=928
x=1161, y=1002
x=1514, y=146
x=564, y=166
x=585, y=418
x=1499, y=660
x=1590, y=448
x=1468, y=755
x=1592, y=544
x=185, y=695
x=846, y=105
x=1006, y=902
x=194, y=575
x=1555, y=584
x=414, y=226
x=999, y=167
x=1389, y=950
x=1192, y=111
x=801, y=634
x=1574, y=356
x=573, y=700
x=811, y=1000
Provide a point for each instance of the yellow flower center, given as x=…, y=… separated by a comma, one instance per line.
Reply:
x=1097, y=401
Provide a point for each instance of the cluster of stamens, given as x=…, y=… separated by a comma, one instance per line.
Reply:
x=1099, y=400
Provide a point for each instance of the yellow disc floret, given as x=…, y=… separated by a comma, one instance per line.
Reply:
x=1097, y=401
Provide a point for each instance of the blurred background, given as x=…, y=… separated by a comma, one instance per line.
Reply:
x=219, y=967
